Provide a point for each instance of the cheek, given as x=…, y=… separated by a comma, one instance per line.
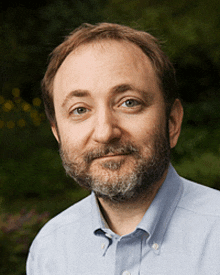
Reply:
x=73, y=137
x=143, y=127
x=148, y=134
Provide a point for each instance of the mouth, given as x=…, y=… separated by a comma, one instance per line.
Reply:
x=111, y=153
x=112, y=156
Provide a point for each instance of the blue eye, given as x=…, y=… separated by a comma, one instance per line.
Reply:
x=80, y=111
x=130, y=103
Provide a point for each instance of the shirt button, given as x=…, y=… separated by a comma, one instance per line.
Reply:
x=155, y=246
x=103, y=246
x=126, y=273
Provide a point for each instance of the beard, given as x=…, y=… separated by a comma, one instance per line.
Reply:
x=110, y=179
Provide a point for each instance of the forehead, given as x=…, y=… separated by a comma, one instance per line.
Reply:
x=104, y=63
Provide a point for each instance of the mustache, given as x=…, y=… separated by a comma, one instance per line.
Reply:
x=116, y=149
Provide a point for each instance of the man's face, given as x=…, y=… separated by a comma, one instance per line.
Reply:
x=111, y=122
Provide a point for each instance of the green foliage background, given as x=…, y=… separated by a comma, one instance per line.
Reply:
x=33, y=185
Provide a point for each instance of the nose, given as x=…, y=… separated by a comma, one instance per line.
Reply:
x=106, y=128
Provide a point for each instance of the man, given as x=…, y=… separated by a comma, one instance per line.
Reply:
x=110, y=96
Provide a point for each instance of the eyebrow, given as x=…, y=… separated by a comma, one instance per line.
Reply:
x=118, y=89
x=75, y=93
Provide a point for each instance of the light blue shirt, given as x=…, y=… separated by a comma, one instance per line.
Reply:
x=178, y=235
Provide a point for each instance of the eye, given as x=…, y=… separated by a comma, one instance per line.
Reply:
x=130, y=103
x=79, y=111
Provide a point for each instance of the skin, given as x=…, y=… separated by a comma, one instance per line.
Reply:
x=104, y=93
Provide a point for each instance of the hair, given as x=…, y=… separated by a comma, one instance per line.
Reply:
x=88, y=33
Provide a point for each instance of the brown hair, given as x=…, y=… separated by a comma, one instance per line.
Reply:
x=87, y=33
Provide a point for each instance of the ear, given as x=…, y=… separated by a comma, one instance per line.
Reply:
x=175, y=122
x=55, y=132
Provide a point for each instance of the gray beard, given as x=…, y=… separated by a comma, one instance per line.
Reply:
x=132, y=185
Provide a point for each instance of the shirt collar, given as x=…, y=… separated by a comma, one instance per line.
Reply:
x=98, y=222
x=158, y=215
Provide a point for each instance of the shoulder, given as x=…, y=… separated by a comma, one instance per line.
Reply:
x=74, y=215
x=63, y=236
x=200, y=199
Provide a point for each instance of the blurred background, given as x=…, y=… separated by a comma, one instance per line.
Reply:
x=33, y=184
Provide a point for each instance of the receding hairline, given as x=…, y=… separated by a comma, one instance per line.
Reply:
x=103, y=45
x=99, y=42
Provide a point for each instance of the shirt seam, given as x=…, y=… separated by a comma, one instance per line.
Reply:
x=60, y=226
x=198, y=213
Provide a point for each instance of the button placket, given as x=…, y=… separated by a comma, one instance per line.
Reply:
x=128, y=255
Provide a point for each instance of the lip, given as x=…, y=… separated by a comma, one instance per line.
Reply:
x=112, y=156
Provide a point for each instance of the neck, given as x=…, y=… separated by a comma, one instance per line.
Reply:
x=123, y=217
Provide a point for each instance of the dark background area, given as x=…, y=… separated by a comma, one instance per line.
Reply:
x=33, y=184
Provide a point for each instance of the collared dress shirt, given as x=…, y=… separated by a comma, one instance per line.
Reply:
x=178, y=235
